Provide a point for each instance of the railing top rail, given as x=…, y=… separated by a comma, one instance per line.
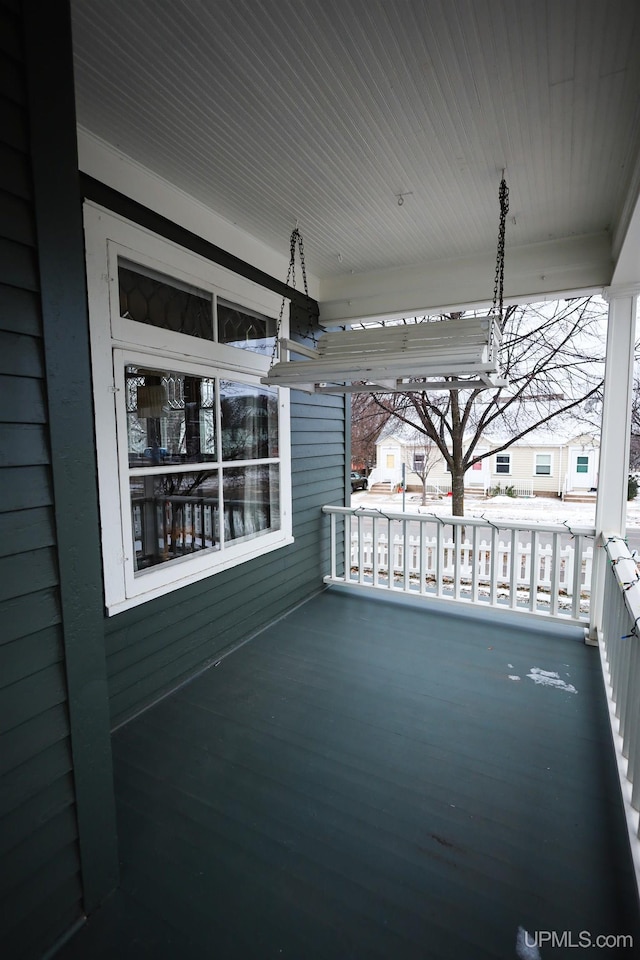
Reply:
x=571, y=529
x=625, y=570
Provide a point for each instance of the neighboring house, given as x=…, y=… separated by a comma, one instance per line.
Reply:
x=544, y=463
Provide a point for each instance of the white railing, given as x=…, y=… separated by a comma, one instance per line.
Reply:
x=620, y=655
x=536, y=568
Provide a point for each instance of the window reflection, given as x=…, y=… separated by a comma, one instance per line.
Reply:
x=249, y=421
x=241, y=327
x=173, y=516
x=251, y=500
x=170, y=417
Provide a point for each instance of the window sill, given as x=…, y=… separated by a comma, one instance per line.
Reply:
x=119, y=606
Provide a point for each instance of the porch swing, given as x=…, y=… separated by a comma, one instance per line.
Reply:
x=460, y=353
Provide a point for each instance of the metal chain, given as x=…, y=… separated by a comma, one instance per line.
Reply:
x=498, y=286
x=295, y=240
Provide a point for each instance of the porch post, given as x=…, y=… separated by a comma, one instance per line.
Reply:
x=611, y=505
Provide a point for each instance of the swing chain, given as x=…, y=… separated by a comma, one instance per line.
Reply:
x=498, y=286
x=295, y=242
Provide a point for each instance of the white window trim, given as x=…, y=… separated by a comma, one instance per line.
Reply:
x=113, y=339
x=502, y=473
x=543, y=453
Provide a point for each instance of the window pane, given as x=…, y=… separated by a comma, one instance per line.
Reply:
x=582, y=465
x=152, y=298
x=543, y=464
x=249, y=421
x=171, y=417
x=503, y=463
x=173, y=516
x=251, y=497
x=241, y=327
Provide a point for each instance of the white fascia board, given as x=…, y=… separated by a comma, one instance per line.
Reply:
x=100, y=160
x=627, y=268
x=533, y=273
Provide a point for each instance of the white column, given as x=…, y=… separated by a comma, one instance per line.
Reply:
x=611, y=506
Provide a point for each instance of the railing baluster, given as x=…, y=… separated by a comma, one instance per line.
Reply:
x=495, y=560
x=533, y=573
x=513, y=579
x=375, y=559
x=360, y=549
x=439, y=559
x=405, y=557
x=475, y=565
x=457, y=531
x=334, y=573
x=555, y=574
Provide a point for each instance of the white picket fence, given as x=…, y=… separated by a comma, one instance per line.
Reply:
x=538, y=568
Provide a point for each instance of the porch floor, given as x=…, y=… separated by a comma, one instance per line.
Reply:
x=365, y=779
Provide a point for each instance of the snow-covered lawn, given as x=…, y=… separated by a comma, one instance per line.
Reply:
x=541, y=509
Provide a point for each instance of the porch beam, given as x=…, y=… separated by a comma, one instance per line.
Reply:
x=611, y=504
x=574, y=266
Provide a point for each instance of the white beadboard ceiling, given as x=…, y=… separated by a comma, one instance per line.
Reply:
x=324, y=111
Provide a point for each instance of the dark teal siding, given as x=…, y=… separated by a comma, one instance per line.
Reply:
x=160, y=644
x=40, y=891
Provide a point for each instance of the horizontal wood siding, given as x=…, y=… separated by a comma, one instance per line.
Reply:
x=160, y=644
x=40, y=889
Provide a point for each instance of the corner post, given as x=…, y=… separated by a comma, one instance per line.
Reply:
x=58, y=215
x=611, y=504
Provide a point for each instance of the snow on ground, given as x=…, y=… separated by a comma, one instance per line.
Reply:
x=542, y=509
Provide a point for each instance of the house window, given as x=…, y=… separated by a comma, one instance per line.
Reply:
x=582, y=465
x=543, y=464
x=503, y=463
x=418, y=462
x=193, y=450
x=391, y=461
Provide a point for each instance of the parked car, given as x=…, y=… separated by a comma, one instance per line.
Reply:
x=358, y=482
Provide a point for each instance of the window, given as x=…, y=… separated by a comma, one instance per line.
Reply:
x=391, y=461
x=193, y=450
x=582, y=465
x=543, y=465
x=418, y=462
x=503, y=463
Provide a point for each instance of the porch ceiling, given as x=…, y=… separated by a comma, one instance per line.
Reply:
x=324, y=112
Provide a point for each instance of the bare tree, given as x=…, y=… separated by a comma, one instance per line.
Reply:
x=553, y=357
x=420, y=456
x=367, y=420
x=634, y=452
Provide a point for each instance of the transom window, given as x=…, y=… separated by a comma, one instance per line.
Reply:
x=503, y=463
x=193, y=450
x=543, y=464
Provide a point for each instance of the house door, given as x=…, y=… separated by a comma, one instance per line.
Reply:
x=390, y=465
x=478, y=475
x=582, y=470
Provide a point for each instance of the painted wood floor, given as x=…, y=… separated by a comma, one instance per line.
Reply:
x=366, y=780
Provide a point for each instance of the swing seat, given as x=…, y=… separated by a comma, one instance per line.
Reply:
x=400, y=358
